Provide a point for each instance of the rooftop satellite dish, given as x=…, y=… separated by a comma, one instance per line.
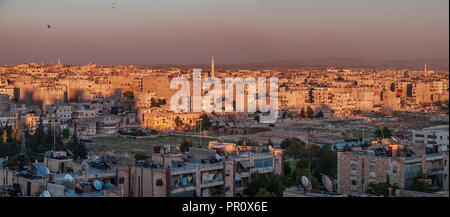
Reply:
x=306, y=183
x=98, y=185
x=109, y=186
x=68, y=178
x=46, y=194
x=327, y=183
x=78, y=189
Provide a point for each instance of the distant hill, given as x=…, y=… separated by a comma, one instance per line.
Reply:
x=432, y=64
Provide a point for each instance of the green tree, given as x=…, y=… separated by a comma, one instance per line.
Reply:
x=290, y=141
x=77, y=147
x=205, y=122
x=309, y=112
x=383, y=133
x=272, y=183
x=114, y=110
x=319, y=114
x=186, y=144
x=140, y=156
x=264, y=193
x=128, y=94
x=13, y=161
x=302, y=113
x=66, y=133
x=418, y=184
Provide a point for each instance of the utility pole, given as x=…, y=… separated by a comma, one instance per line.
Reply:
x=309, y=159
x=21, y=160
x=363, y=139
x=290, y=128
x=54, y=139
x=200, y=133
x=425, y=169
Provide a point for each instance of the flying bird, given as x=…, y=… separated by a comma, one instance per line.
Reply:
x=48, y=25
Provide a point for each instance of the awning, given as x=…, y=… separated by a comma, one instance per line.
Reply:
x=246, y=164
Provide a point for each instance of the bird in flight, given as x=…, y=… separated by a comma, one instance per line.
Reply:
x=114, y=4
x=48, y=26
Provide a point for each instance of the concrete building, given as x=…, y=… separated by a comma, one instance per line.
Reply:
x=358, y=169
x=445, y=174
x=435, y=138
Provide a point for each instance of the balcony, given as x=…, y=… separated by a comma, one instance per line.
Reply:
x=263, y=169
x=211, y=183
x=184, y=188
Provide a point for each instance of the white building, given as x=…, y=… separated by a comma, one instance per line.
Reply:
x=433, y=137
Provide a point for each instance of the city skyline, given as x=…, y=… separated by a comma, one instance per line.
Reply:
x=177, y=32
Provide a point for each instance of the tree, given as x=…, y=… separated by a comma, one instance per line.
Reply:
x=186, y=144
x=302, y=113
x=13, y=162
x=418, y=184
x=5, y=137
x=383, y=133
x=114, y=110
x=309, y=112
x=290, y=141
x=178, y=122
x=66, y=133
x=319, y=114
x=273, y=185
x=77, y=147
x=205, y=122
x=128, y=94
x=17, y=132
x=140, y=156
x=264, y=193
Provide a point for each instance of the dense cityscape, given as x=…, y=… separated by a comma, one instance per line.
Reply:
x=108, y=130
x=224, y=107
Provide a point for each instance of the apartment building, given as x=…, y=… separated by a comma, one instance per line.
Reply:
x=358, y=169
x=435, y=138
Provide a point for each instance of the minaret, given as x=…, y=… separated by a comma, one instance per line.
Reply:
x=425, y=70
x=212, y=66
x=59, y=61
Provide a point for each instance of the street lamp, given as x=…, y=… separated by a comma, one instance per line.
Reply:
x=200, y=132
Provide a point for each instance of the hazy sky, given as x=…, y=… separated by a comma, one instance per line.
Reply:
x=234, y=31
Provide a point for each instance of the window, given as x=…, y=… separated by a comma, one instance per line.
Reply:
x=227, y=173
x=353, y=166
x=227, y=189
x=159, y=182
x=121, y=180
x=362, y=164
x=372, y=169
x=394, y=170
x=353, y=182
x=263, y=163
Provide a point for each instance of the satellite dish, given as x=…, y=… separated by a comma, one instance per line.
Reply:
x=109, y=186
x=98, y=185
x=306, y=183
x=46, y=194
x=78, y=189
x=327, y=183
x=68, y=178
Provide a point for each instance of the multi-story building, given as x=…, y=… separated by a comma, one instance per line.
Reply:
x=393, y=163
x=435, y=138
x=445, y=174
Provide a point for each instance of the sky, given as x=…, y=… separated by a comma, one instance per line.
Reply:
x=234, y=31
